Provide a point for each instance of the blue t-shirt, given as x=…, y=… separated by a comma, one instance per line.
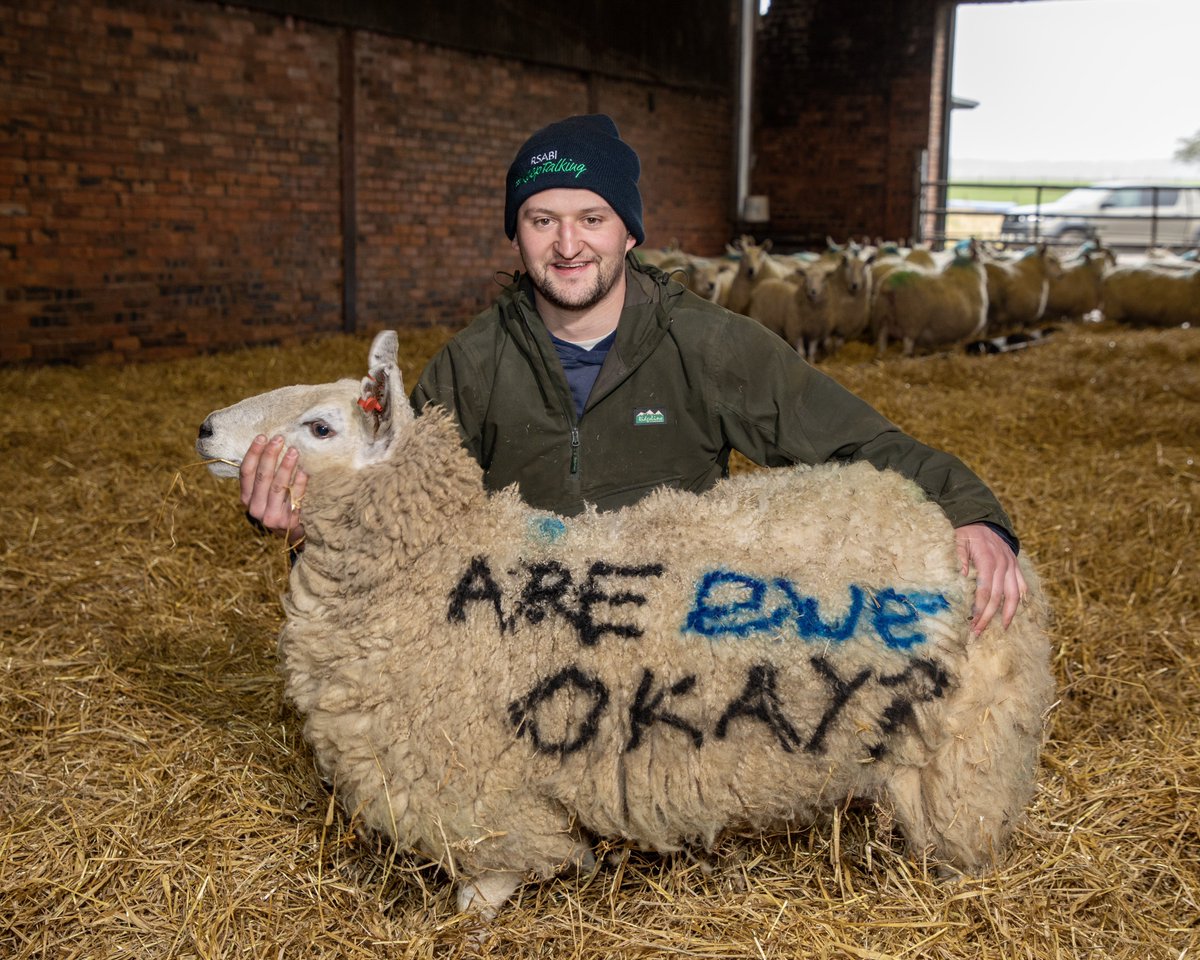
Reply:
x=582, y=366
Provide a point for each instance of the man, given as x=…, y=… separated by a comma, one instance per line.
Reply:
x=593, y=379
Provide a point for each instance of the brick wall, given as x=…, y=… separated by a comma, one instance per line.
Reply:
x=170, y=180
x=170, y=175
x=844, y=95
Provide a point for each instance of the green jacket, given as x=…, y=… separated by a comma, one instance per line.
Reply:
x=685, y=383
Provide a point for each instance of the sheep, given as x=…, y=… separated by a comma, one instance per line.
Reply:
x=754, y=265
x=921, y=256
x=887, y=257
x=823, y=304
x=1148, y=295
x=672, y=261
x=1169, y=259
x=665, y=258
x=849, y=299
x=796, y=308
x=711, y=278
x=495, y=686
x=931, y=308
x=772, y=302
x=1077, y=291
x=1018, y=289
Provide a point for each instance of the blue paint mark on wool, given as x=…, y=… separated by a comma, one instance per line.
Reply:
x=546, y=529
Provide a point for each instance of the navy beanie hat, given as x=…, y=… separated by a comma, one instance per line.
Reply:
x=584, y=153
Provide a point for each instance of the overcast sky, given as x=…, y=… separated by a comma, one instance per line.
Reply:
x=1059, y=80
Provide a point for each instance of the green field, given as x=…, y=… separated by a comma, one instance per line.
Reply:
x=1014, y=192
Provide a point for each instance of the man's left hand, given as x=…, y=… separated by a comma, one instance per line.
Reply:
x=998, y=579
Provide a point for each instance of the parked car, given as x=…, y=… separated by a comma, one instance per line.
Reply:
x=1119, y=213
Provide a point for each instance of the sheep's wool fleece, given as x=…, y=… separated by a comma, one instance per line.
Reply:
x=483, y=681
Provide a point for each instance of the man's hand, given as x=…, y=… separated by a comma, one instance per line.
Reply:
x=997, y=576
x=271, y=494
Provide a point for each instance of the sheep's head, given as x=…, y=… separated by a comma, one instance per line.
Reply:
x=348, y=423
x=966, y=252
x=753, y=256
x=812, y=279
x=854, y=274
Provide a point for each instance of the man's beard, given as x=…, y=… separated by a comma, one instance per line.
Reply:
x=606, y=277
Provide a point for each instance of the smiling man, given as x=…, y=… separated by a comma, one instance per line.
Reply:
x=595, y=379
x=573, y=246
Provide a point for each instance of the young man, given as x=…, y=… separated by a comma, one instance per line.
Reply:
x=593, y=379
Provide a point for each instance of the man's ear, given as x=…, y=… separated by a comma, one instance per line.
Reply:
x=382, y=398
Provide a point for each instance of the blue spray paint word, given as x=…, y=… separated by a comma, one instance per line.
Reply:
x=738, y=605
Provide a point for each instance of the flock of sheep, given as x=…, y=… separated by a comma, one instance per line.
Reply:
x=886, y=292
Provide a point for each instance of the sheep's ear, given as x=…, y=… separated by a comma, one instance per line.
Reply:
x=382, y=396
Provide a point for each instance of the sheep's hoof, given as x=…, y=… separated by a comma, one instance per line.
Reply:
x=485, y=895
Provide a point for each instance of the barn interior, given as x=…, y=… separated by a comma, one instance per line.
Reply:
x=202, y=201
x=189, y=176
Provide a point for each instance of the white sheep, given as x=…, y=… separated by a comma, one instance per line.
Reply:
x=1018, y=289
x=1153, y=296
x=755, y=264
x=849, y=298
x=930, y=308
x=495, y=685
x=921, y=256
x=711, y=278
x=795, y=308
x=1165, y=257
x=772, y=302
x=1078, y=290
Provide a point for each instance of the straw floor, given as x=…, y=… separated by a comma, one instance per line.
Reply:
x=155, y=800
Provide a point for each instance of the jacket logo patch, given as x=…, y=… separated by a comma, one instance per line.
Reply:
x=649, y=416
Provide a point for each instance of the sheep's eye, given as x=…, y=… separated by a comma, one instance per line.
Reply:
x=321, y=430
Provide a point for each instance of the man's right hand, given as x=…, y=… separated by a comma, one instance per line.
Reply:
x=272, y=488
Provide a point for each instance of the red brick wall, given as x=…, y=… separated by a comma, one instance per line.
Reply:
x=170, y=175
x=170, y=180
x=844, y=95
x=431, y=166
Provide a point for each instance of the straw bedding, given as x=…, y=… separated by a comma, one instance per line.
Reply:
x=155, y=800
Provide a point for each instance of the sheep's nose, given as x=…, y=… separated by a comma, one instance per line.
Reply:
x=205, y=431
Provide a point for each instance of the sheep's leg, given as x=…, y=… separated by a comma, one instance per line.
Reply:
x=904, y=792
x=486, y=894
x=962, y=806
x=582, y=860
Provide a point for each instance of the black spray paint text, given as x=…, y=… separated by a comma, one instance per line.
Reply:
x=549, y=589
x=563, y=712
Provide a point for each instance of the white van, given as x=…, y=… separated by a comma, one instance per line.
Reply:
x=1119, y=213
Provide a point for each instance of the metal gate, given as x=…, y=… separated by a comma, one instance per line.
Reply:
x=1127, y=214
